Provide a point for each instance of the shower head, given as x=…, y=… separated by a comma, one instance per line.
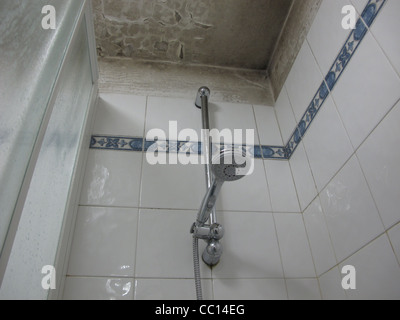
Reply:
x=229, y=165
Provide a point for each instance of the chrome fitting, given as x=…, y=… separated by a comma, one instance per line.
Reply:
x=203, y=91
x=212, y=253
x=205, y=232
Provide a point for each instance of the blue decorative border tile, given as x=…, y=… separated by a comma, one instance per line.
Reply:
x=368, y=16
x=137, y=144
x=116, y=143
x=273, y=152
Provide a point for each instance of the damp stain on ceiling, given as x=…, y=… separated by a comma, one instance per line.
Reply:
x=228, y=33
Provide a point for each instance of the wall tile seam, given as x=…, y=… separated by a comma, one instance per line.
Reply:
x=285, y=152
x=381, y=47
x=345, y=55
x=341, y=262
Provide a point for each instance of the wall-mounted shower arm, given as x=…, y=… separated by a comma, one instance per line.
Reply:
x=203, y=94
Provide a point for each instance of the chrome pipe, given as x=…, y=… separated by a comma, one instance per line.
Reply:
x=208, y=204
x=201, y=102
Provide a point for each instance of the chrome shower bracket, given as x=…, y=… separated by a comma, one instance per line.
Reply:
x=208, y=232
x=212, y=234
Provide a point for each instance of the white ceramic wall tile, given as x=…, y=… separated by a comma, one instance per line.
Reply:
x=303, y=81
x=249, y=289
x=303, y=289
x=302, y=176
x=101, y=233
x=285, y=115
x=380, y=163
x=267, y=125
x=318, y=234
x=350, y=211
x=293, y=244
x=119, y=114
x=77, y=288
x=327, y=150
x=377, y=272
x=164, y=247
x=367, y=90
x=112, y=179
x=326, y=36
x=385, y=30
x=359, y=5
x=247, y=194
x=160, y=111
x=394, y=236
x=175, y=186
x=232, y=116
x=171, y=289
x=281, y=186
x=331, y=285
x=250, y=246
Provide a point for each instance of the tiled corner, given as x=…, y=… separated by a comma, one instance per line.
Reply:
x=318, y=234
x=119, y=114
x=285, y=115
x=326, y=34
x=303, y=178
x=267, y=125
x=327, y=150
x=394, y=236
x=377, y=272
x=293, y=244
x=380, y=164
x=350, y=211
x=303, y=289
x=283, y=252
x=281, y=186
x=385, y=30
x=331, y=285
x=369, y=81
x=303, y=80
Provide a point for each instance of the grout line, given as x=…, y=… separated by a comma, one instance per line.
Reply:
x=390, y=241
x=265, y=173
x=324, y=82
x=280, y=255
x=354, y=253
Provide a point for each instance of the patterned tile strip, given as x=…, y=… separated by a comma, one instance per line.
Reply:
x=368, y=16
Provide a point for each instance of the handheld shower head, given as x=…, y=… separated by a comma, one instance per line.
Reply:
x=228, y=165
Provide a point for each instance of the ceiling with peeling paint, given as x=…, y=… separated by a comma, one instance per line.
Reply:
x=229, y=33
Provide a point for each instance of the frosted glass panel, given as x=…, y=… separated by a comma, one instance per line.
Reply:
x=40, y=226
x=29, y=65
